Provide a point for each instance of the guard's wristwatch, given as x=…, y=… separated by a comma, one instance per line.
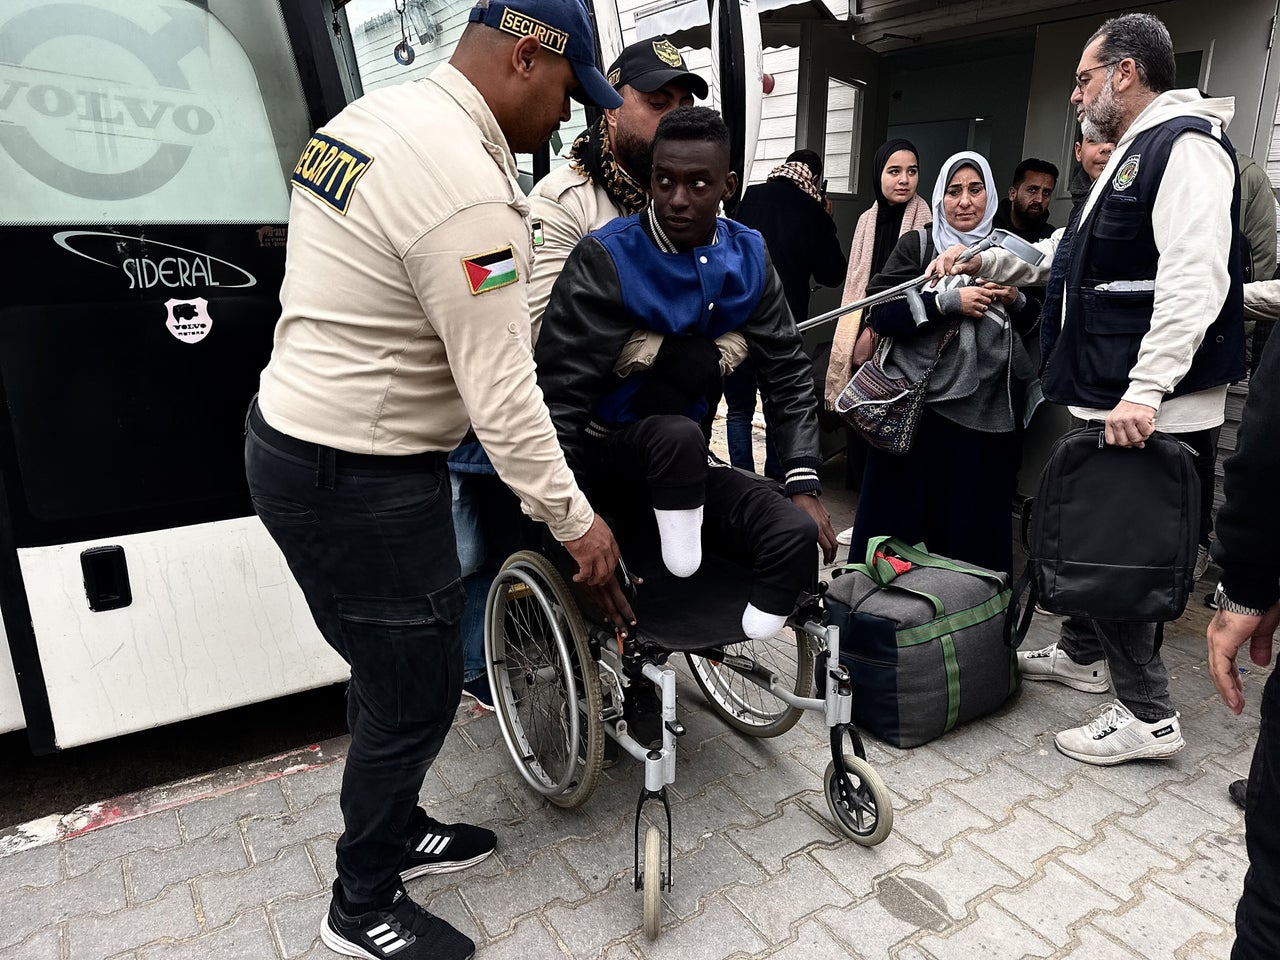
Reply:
x=1226, y=603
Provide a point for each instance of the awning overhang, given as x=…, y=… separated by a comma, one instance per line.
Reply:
x=687, y=22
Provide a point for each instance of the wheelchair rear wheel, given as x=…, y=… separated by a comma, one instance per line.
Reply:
x=747, y=707
x=545, y=683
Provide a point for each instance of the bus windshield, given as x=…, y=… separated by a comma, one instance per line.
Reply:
x=137, y=111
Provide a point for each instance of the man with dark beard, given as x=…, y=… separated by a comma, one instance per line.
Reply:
x=608, y=172
x=1143, y=328
x=1025, y=211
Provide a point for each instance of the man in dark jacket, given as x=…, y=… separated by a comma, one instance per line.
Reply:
x=1025, y=211
x=634, y=435
x=1248, y=600
x=793, y=214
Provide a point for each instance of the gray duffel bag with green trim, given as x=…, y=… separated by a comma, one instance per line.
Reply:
x=923, y=639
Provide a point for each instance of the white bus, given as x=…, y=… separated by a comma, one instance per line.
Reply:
x=145, y=152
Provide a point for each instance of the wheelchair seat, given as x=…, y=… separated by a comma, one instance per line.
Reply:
x=680, y=614
x=692, y=613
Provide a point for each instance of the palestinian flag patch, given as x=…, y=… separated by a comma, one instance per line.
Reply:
x=489, y=271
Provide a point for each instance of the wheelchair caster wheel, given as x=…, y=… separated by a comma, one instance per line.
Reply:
x=859, y=802
x=652, y=883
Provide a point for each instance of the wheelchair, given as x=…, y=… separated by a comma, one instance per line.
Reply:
x=562, y=682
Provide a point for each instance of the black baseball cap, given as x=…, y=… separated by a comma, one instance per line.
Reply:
x=651, y=64
x=564, y=27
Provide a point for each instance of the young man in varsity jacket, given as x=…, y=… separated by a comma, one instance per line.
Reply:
x=678, y=269
x=1143, y=328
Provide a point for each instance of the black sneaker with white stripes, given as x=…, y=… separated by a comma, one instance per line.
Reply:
x=403, y=931
x=436, y=847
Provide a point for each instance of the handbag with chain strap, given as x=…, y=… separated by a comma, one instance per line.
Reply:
x=884, y=409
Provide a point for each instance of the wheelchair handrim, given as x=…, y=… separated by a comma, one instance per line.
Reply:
x=511, y=725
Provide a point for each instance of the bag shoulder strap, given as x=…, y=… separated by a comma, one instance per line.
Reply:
x=1015, y=626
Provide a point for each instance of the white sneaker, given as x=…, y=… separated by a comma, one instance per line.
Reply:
x=845, y=536
x=1202, y=561
x=1050, y=663
x=1117, y=736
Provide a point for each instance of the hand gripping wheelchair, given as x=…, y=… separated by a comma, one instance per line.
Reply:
x=562, y=682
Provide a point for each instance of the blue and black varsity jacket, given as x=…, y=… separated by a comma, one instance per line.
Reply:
x=618, y=279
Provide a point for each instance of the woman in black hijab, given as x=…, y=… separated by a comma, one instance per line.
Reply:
x=897, y=210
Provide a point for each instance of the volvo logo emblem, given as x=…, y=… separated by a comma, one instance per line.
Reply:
x=42, y=95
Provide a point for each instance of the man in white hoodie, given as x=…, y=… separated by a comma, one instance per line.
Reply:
x=1143, y=328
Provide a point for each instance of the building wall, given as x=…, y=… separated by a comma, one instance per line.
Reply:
x=375, y=37
x=987, y=117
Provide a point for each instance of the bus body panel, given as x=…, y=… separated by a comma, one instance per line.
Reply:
x=216, y=621
x=11, y=715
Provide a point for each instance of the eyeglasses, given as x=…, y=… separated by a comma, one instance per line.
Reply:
x=1083, y=77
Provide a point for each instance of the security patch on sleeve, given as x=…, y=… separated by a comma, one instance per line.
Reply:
x=330, y=169
x=489, y=271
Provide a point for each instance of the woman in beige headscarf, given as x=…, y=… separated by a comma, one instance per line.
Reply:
x=897, y=210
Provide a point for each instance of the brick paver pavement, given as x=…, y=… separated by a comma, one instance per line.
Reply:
x=1001, y=848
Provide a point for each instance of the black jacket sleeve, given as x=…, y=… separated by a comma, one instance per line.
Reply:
x=583, y=332
x=785, y=374
x=908, y=260
x=894, y=319
x=829, y=263
x=1248, y=524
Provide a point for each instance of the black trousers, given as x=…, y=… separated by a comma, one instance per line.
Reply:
x=953, y=492
x=662, y=462
x=1205, y=444
x=1258, y=913
x=370, y=542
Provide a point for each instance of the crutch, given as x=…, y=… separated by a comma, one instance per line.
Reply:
x=1001, y=239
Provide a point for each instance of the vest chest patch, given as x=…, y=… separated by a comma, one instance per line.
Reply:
x=1127, y=173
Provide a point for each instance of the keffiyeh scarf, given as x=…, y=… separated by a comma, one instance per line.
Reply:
x=591, y=156
x=800, y=174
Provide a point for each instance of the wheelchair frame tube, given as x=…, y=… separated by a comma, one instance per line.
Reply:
x=659, y=765
x=836, y=706
x=664, y=678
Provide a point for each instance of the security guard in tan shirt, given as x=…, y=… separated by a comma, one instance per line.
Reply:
x=608, y=171
x=405, y=318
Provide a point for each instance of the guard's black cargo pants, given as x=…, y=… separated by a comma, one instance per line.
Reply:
x=370, y=541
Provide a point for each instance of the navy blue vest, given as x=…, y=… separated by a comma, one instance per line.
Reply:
x=706, y=291
x=1088, y=358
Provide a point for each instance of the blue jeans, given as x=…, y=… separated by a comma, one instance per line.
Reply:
x=370, y=542
x=487, y=518
x=740, y=398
